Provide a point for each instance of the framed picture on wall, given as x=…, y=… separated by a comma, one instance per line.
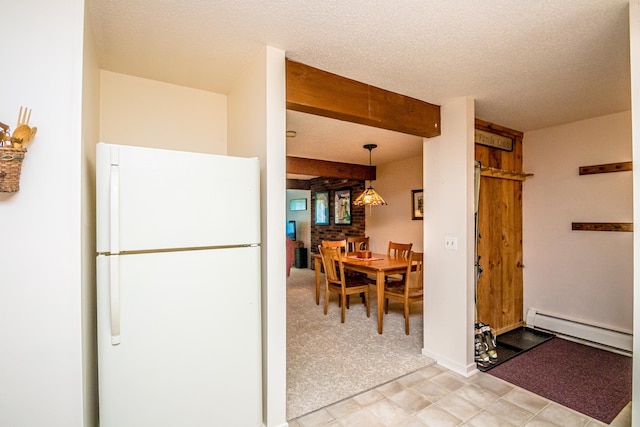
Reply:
x=342, y=207
x=322, y=208
x=298, y=205
x=417, y=204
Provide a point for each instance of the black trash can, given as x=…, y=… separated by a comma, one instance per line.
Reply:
x=301, y=257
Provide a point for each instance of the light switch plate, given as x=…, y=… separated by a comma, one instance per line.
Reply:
x=451, y=243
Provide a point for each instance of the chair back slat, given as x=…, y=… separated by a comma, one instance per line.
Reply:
x=399, y=250
x=335, y=244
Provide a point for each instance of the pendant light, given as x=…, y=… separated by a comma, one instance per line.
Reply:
x=369, y=197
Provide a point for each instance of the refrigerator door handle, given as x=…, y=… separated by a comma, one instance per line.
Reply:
x=114, y=264
x=114, y=291
x=114, y=208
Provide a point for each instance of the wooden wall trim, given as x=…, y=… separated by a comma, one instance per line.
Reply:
x=606, y=168
x=602, y=226
x=324, y=168
x=314, y=91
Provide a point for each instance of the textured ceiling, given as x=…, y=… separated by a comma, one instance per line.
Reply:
x=528, y=64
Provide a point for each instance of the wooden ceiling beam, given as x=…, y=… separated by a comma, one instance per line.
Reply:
x=298, y=184
x=302, y=166
x=310, y=90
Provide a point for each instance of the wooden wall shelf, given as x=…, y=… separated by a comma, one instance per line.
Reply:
x=606, y=168
x=602, y=226
x=504, y=174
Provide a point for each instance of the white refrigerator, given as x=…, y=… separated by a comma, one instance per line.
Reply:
x=178, y=288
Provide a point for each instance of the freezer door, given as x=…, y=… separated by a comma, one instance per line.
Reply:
x=190, y=348
x=149, y=199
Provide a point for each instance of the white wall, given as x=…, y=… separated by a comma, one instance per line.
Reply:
x=148, y=113
x=393, y=222
x=257, y=128
x=40, y=248
x=585, y=275
x=90, y=131
x=449, y=205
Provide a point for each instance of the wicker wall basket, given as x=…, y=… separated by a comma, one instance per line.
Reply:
x=10, y=167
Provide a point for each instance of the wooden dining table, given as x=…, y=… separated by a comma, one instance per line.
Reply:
x=379, y=265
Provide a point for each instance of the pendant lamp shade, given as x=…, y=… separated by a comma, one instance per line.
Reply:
x=369, y=197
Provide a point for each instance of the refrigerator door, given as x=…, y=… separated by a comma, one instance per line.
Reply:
x=150, y=199
x=190, y=353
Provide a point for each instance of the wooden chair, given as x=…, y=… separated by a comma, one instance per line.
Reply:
x=398, y=250
x=342, y=244
x=337, y=282
x=411, y=290
x=355, y=244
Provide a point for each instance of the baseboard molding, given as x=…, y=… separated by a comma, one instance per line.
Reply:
x=591, y=333
x=464, y=370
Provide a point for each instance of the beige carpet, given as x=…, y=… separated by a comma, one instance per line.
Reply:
x=328, y=361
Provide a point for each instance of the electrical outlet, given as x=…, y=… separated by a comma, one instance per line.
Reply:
x=451, y=243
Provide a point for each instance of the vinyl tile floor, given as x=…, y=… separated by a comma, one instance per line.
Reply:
x=436, y=397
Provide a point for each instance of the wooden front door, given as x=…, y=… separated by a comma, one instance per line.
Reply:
x=500, y=287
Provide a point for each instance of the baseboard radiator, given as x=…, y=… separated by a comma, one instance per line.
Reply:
x=590, y=333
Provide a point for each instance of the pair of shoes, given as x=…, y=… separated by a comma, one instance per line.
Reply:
x=490, y=341
x=485, y=345
x=481, y=354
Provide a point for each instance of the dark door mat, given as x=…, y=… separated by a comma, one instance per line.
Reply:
x=515, y=342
